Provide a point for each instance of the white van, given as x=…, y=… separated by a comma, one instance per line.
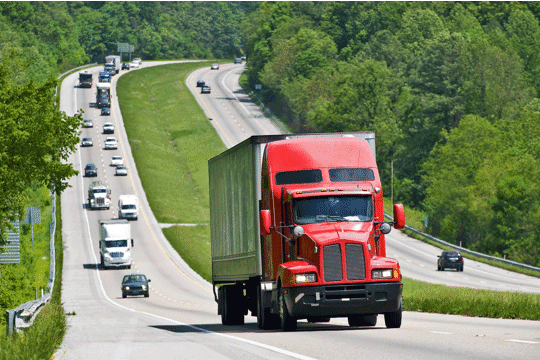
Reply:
x=128, y=207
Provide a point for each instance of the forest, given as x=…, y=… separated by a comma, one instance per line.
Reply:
x=450, y=88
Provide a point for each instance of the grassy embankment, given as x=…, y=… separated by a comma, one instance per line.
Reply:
x=172, y=140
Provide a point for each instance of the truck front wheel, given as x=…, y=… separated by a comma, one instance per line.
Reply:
x=288, y=323
x=393, y=319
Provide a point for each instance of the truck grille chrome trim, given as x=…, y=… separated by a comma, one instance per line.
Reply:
x=354, y=260
x=332, y=263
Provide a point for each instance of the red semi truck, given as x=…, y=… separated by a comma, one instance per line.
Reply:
x=297, y=229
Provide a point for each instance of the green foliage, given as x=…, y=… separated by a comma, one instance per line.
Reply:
x=35, y=140
x=449, y=89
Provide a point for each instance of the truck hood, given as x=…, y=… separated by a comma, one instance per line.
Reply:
x=327, y=233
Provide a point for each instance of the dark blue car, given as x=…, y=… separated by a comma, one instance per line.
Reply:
x=135, y=284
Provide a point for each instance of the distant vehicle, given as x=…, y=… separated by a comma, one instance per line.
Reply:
x=450, y=259
x=200, y=83
x=135, y=284
x=115, y=243
x=214, y=66
x=87, y=123
x=205, y=89
x=243, y=58
x=99, y=196
x=125, y=66
x=106, y=111
x=86, y=141
x=85, y=79
x=103, y=95
x=137, y=61
x=112, y=64
x=111, y=143
x=128, y=207
x=117, y=161
x=121, y=170
x=108, y=128
x=90, y=170
x=237, y=60
x=104, y=77
x=134, y=65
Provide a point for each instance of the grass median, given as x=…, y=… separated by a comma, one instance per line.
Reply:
x=171, y=140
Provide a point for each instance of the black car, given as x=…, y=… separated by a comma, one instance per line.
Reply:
x=205, y=89
x=450, y=259
x=90, y=170
x=200, y=83
x=125, y=66
x=105, y=111
x=135, y=284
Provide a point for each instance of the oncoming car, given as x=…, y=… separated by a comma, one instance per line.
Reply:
x=90, y=170
x=450, y=259
x=117, y=161
x=86, y=141
x=214, y=66
x=200, y=83
x=87, y=123
x=105, y=111
x=108, y=128
x=206, y=89
x=135, y=284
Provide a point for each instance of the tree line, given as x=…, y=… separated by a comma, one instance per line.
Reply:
x=450, y=88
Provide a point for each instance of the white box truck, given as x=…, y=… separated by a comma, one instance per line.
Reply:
x=115, y=243
x=128, y=207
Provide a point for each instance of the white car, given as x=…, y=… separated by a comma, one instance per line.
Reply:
x=111, y=143
x=121, y=171
x=137, y=60
x=134, y=65
x=108, y=128
x=214, y=66
x=117, y=161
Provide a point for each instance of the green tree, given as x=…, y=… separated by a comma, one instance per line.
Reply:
x=35, y=140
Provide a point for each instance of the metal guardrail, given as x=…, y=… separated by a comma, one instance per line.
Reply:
x=467, y=251
x=23, y=316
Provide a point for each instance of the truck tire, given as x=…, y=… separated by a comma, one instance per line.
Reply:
x=363, y=320
x=288, y=323
x=265, y=319
x=103, y=263
x=393, y=319
x=231, y=313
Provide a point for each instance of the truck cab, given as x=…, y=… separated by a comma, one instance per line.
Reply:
x=99, y=196
x=321, y=249
x=115, y=244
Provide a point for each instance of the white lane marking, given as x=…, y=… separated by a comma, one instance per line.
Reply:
x=523, y=341
x=441, y=332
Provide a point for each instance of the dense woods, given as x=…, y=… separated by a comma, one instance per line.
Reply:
x=450, y=88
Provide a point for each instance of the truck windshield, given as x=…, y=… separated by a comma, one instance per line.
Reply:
x=124, y=207
x=333, y=208
x=97, y=191
x=115, y=243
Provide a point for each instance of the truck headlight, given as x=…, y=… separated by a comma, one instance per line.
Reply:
x=305, y=278
x=144, y=287
x=126, y=288
x=381, y=274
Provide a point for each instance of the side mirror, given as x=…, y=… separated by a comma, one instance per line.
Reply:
x=266, y=220
x=385, y=228
x=99, y=243
x=149, y=280
x=399, y=216
x=131, y=242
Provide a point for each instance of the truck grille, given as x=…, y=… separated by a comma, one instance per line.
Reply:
x=100, y=201
x=116, y=254
x=354, y=259
x=332, y=263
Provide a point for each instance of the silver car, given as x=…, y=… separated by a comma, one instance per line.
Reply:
x=214, y=66
x=111, y=143
x=86, y=141
x=117, y=161
x=121, y=171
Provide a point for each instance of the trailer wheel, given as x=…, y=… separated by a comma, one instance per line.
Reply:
x=393, y=319
x=231, y=312
x=288, y=323
x=363, y=320
x=265, y=319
